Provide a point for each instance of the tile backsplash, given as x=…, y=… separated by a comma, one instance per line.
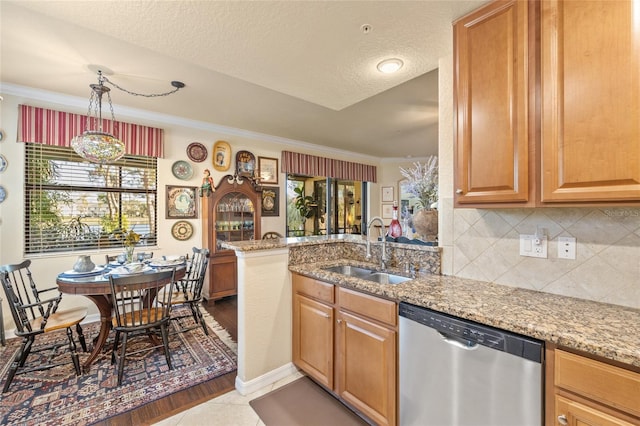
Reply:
x=485, y=246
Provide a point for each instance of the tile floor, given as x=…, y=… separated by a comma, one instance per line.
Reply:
x=225, y=410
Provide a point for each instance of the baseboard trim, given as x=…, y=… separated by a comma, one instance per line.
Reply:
x=245, y=388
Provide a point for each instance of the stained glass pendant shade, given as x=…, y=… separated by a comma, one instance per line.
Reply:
x=94, y=144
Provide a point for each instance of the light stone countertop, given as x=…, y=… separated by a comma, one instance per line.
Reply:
x=605, y=330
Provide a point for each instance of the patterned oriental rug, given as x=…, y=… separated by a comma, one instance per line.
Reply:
x=59, y=397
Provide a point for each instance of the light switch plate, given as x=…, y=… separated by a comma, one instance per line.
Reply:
x=567, y=248
x=532, y=246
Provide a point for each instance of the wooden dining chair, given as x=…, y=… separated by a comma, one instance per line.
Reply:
x=188, y=291
x=137, y=314
x=35, y=312
x=271, y=235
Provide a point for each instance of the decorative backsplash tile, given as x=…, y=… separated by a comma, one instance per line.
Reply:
x=607, y=268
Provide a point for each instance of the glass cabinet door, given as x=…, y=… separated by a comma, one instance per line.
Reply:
x=234, y=218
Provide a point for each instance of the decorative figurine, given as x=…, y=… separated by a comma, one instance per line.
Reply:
x=207, y=184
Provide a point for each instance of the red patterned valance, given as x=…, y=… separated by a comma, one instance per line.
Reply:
x=50, y=127
x=310, y=165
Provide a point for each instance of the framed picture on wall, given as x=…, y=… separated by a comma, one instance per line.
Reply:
x=270, y=201
x=268, y=168
x=181, y=202
x=387, y=211
x=387, y=194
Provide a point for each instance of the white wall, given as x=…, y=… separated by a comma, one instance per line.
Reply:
x=179, y=133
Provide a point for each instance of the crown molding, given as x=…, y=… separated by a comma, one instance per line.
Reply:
x=164, y=119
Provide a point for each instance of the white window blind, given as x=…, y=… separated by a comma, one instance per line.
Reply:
x=73, y=205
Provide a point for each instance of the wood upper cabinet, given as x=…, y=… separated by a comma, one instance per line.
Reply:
x=547, y=104
x=231, y=213
x=491, y=104
x=590, y=97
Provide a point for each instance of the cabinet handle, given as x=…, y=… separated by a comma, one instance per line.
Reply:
x=458, y=191
x=326, y=316
x=562, y=419
x=339, y=321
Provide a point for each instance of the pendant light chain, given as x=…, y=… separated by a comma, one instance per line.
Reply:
x=176, y=84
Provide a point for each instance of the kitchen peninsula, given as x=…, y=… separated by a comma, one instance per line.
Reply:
x=603, y=331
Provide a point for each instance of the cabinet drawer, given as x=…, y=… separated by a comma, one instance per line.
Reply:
x=596, y=380
x=313, y=288
x=373, y=307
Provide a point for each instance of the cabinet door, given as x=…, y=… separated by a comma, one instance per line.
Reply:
x=590, y=102
x=366, y=367
x=572, y=413
x=223, y=275
x=313, y=339
x=491, y=104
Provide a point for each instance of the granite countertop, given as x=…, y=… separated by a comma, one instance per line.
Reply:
x=605, y=330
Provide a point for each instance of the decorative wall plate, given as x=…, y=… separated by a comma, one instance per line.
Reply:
x=182, y=170
x=3, y=194
x=3, y=163
x=197, y=152
x=221, y=156
x=182, y=230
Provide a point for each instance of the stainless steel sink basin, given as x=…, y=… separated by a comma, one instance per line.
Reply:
x=384, y=278
x=352, y=271
x=367, y=274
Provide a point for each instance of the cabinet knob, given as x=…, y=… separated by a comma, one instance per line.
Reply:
x=562, y=419
x=458, y=191
x=339, y=321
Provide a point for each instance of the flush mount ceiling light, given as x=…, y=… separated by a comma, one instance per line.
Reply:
x=96, y=144
x=389, y=66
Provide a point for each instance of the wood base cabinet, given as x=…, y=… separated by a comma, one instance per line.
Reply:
x=585, y=391
x=347, y=341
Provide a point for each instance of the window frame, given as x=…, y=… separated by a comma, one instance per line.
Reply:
x=51, y=232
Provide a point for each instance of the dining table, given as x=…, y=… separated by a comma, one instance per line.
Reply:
x=95, y=286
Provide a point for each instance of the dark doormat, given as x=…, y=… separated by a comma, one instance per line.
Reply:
x=303, y=402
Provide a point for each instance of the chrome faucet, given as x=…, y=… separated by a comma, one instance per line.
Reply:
x=383, y=258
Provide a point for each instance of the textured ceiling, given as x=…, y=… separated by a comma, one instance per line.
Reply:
x=302, y=70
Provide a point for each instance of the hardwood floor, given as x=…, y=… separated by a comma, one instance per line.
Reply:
x=225, y=313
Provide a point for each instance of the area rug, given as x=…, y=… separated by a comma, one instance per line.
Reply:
x=59, y=397
x=302, y=402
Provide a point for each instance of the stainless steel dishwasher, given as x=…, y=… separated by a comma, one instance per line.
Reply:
x=458, y=372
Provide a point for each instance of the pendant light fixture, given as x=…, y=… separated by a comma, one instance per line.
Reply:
x=95, y=143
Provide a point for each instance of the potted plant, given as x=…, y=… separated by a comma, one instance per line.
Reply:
x=422, y=183
x=305, y=204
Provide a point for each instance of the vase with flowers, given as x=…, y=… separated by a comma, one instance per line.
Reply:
x=129, y=240
x=422, y=183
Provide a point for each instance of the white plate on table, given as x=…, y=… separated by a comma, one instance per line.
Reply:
x=122, y=270
x=158, y=263
x=73, y=274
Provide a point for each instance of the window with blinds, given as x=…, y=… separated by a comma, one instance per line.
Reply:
x=73, y=205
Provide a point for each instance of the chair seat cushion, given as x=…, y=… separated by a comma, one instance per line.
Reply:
x=179, y=297
x=61, y=319
x=138, y=318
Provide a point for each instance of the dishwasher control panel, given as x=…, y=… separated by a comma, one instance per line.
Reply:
x=470, y=333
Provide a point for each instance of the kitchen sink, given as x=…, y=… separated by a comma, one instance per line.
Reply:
x=352, y=271
x=368, y=274
x=384, y=278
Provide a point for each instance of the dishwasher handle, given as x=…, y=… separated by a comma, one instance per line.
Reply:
x=465, y=344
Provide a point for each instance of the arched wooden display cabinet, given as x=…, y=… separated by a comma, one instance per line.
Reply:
x=231, y=213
